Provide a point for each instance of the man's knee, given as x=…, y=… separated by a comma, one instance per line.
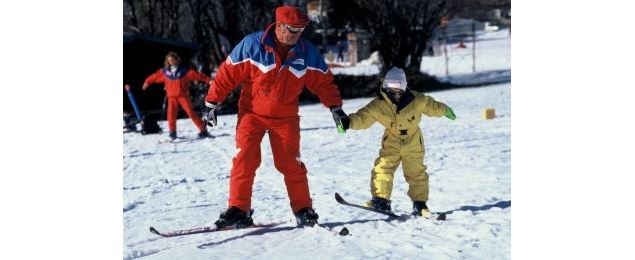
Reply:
x=246, y=159
x=290, y=163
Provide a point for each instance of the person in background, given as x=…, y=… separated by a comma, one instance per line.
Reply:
x=340, y=51
x=273, y=66
x=177, y=79
x=399, y=110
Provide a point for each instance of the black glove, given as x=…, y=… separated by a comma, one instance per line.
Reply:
x=210, y=115
x=341, y=119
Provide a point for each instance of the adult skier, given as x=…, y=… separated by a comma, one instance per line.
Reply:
x=273, y=67
x=177, y=79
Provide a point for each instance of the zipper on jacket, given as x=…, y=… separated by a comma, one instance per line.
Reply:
x=290, y=55
x=275, y=82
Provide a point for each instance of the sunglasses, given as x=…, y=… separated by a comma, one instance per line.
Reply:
x=292, y=29
x=394, y=91
x=395, y=87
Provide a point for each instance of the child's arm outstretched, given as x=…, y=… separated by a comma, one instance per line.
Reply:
x=430, y=107
x=364, y=117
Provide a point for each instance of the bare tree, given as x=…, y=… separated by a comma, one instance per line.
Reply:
x=130, y=20
x=221, y=24
x=143, y=16
x=149, y=9
x=399, y=29
x=170, y=9
x=216, y=25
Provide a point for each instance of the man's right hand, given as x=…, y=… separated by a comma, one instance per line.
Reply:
x=210, y=115
x=145, y=86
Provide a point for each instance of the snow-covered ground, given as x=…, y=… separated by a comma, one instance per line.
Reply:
x=176, y=186
x=493, y=52
x=493, y=62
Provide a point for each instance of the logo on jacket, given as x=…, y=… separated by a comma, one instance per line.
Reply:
x=298, y=61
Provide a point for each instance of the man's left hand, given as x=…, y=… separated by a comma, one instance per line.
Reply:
x=341, y=119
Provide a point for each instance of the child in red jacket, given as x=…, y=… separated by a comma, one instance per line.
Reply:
x=177, y=81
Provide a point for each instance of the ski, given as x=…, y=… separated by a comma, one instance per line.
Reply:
x=341, y=200
x=183, y=232
x=199, y=230
x=392, y=215
x=179, y=140
x=176, y=141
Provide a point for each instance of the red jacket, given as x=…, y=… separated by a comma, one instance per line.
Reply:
x=177, y=84
x=272, y=87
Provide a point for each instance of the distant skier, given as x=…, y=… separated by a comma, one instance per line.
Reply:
x=177, y=79
x=340, y=51
x=399, y=110
x=273, y=67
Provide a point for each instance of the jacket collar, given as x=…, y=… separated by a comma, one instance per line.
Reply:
x=177, y=74
x=404, y=101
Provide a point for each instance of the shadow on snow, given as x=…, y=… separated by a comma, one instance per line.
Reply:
x=151, y=153
x=268, y=230
x=500, y=204
x=331, y=225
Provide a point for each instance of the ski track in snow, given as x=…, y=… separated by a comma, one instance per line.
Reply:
x=184, y=185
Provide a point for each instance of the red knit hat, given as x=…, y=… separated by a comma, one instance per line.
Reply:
x=291, y=15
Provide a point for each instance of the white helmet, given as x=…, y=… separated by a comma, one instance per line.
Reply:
x=396, y=79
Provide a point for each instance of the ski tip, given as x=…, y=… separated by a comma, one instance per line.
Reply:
x=153, y=230
x=339, y=198
x=344, y=232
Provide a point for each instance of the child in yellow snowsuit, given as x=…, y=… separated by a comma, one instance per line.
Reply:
x=399, y=110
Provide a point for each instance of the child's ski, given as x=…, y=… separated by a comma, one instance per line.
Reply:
x=341, y=200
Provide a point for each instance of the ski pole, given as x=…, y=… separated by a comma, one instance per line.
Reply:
x=134, y=103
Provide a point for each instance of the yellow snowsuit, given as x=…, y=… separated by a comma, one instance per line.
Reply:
x=402, y=141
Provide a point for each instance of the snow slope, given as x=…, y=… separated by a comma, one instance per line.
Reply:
x=493, y=62
x=493, y=53
x=184, y=185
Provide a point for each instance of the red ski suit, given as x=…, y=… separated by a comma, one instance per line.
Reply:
x=269, y=104
x=177, y=88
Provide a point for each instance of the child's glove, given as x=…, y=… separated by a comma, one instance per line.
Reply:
x=449, y=113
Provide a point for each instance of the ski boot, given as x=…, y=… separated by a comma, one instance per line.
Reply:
x=203, y=134
x=172, y=135
x=306, y=217
x=235, y=217
x=379, y=203
x=419, y=208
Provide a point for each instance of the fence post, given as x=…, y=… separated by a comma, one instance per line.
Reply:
x=445, y=51
x=473, y=47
